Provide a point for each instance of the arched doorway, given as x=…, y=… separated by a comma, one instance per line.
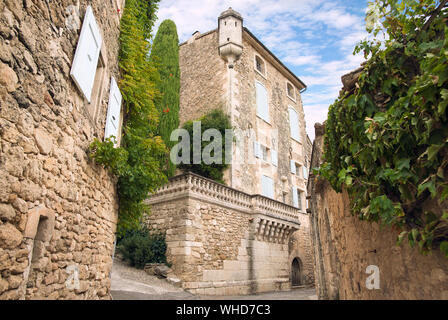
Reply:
x=296, y=274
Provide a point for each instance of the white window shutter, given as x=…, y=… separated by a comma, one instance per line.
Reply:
x=86, y=56
x=262, y=102
x=295, y=198
x=299, y=198
x=267, y=187
x=293, y=166
x=305, y=172
x=274, y=158
x=113, y=111
x=257, y=149
x=294, y=124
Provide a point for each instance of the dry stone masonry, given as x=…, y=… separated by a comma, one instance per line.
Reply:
x=58, y=210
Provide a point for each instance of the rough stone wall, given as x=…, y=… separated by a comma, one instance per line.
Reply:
x=45, y=173
x=213, y=246
x=300, y=246
x=202, y=77
x=344, y=247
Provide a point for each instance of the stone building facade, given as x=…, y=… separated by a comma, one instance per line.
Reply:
x=222, y=241
x=230, y=69
x=344, y=248
x=58, y=210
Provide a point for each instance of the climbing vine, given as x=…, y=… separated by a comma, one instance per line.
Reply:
x=136, y=162
x=386, y=139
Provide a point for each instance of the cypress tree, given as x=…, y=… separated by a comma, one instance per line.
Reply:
x=165, y=54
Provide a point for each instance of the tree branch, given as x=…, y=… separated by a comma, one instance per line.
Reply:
x=434, y=15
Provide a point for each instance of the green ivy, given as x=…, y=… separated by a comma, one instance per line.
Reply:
x=136, y=162
x=386, y=141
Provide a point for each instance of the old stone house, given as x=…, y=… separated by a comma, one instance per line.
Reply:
x=58, y=210
x=251, y=235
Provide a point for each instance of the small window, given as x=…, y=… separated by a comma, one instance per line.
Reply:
x=293, y=167
x=297, y=198
x=264, y=152
x=290, y=91
x=260, y=65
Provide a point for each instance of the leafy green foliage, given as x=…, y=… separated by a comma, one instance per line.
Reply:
x=165, y=55
x=218, y=120
x=386, y=141
x=140, y=247
x=137, y=162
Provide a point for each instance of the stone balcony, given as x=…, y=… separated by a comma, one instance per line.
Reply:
x=273, y=221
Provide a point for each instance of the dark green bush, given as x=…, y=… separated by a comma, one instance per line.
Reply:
x=216, y=119
x=140, y=247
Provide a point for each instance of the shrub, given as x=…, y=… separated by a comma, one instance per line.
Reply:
x=140, y=247
x=218, y=120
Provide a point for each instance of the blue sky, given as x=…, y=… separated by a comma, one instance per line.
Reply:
x=314, y=38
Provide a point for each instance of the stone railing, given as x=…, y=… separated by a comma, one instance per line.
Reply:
x=195, y=186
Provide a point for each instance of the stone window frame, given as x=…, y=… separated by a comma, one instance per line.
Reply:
x=265, y=151
x=99, y=85
x=293, y=97
x=299, y=172
x=300, y=192
x=264, y=75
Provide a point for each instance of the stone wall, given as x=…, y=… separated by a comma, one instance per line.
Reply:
x=345, y=246
x=223, y=241
x=207, y=83
x=58, y=210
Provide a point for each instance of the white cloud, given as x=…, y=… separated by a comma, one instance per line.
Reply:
x=301, y=60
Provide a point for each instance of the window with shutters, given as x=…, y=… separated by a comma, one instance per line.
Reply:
x=98, y=89
x=262, y=101
x=294, y=124
x=89, y=66
x=267, y=187
x=264, y=152
x=260, y=66
x=305, y=172
x=290, y=92
x=297, y=198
